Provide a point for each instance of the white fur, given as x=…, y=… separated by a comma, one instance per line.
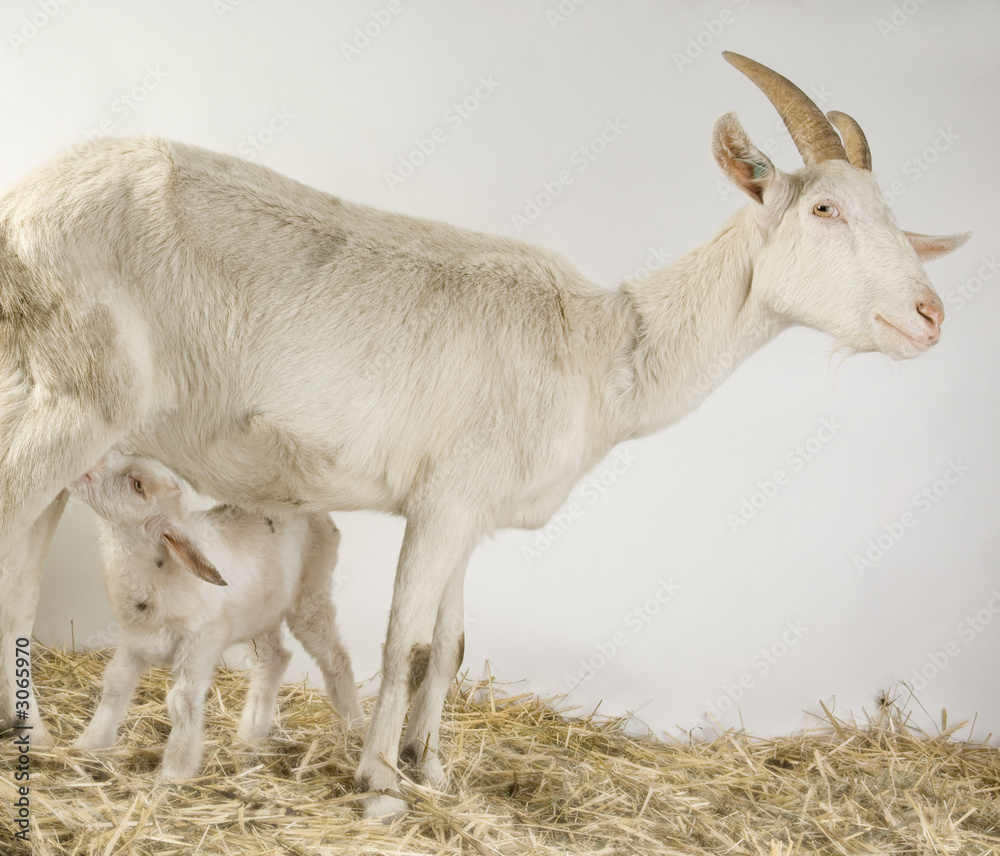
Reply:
x=274, y=570
x=282, y=348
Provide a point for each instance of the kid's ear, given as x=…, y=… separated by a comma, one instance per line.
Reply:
x=746, y=165
x=192, y=558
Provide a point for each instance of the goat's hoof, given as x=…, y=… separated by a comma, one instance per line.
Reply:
x=432, y=773
x=425, y=764
x=355, y=722
x=38, y=734
x=252, y=736
x=173, y=777
x=385, y=808
x=42, y=740
x=173, y=771
x=88, y=743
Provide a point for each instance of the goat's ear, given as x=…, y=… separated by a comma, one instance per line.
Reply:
x=746, y=165
x=934, y=246
x=192, y=558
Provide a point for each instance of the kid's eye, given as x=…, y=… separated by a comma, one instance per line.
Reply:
x=138, y=487
x=825, y=209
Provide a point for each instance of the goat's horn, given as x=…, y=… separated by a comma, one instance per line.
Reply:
x=855, y=142
x=811, y=131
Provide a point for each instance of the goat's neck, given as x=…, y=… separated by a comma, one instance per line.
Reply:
x=131, y=556
x=694, y=322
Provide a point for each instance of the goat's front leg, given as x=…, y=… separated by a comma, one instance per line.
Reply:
x=20, y=581
x=120, y=678
x=432, y=549
x=420, y=744
x=265, y=681
x=194, y=668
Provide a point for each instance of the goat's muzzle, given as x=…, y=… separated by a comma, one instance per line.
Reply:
x=933, y=314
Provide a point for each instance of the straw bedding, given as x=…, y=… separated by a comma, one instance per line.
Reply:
x=523, y=780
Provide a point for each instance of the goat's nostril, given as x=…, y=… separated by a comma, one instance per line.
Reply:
x=932, y=311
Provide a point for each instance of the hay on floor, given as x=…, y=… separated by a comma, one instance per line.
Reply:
x=523, y=780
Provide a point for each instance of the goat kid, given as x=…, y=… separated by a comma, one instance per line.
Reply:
x=282, y=348
x=157, y=561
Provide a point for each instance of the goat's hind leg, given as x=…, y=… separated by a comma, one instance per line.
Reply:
x=51, y=444
x=194, y=668
x=48, y=437
x=315, y=627
x=313, y=621
x=265, y=681
x=20, y=580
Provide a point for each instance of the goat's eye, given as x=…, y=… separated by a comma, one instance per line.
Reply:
x=825, y=209
x=138, y=487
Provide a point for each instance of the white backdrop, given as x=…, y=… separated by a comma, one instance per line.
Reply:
x=717, y=569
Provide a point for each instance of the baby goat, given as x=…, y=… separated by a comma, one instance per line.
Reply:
x=261, y=571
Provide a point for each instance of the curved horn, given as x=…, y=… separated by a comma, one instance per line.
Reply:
x=855, y=142
x=811, y=131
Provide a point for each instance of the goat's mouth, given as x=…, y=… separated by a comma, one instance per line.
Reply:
x=911, y=346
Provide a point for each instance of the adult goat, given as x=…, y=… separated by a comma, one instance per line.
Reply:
x=280, y=348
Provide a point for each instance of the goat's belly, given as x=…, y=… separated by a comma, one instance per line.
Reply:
x=255, y=464
x=257, y=486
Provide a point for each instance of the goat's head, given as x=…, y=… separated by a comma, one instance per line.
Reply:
x=833, y=258
x=143, y=501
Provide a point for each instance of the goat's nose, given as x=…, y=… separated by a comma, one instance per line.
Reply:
x=933, y=311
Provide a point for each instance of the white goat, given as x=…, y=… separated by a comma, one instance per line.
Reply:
x=155, y=558
x=280, y=347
